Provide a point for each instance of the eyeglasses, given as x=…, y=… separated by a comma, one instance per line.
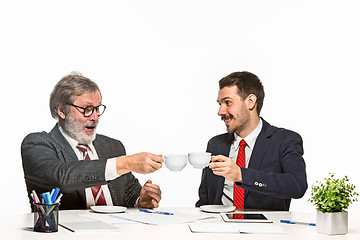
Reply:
x=89, y=110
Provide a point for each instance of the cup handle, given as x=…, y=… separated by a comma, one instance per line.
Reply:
x=209, y=161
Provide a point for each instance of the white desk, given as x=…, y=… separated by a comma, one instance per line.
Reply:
x=20, y=227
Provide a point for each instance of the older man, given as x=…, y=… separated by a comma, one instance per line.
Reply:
x=89, y=168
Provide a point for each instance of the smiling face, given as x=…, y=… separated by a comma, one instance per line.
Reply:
x=238, y=114
x=75, y=124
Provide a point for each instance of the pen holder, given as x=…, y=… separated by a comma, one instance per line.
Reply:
x=46, y=217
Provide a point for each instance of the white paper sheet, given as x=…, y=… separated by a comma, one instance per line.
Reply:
x=107, y=218
x=213, y=228
x=260, y=228
x=235, y=228
x=153, y=218
x=88, y=226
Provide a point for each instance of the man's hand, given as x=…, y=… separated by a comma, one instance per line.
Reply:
x=224, y=166
x=141, y=163
x=150, y=195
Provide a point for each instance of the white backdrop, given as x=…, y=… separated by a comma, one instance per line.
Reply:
x=158, y=64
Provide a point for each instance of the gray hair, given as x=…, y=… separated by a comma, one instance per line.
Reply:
x=69, y=87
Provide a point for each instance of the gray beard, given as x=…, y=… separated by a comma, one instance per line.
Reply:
x=74, y=132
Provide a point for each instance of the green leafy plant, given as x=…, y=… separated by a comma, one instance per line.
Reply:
x=335, y=195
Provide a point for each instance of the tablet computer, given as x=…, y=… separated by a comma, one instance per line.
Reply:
x=245, y=217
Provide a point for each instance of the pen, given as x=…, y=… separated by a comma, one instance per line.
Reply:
x=295, y=222
x=158, y=212
x=40, y=220
x=37, y=200
x=47, y=198
x=54, y=194
x=56, y=201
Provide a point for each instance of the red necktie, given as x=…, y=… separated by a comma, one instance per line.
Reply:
x=238, y=191
x=97, y=192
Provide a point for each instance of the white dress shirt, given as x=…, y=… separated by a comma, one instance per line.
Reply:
x=110, y=170
x=228, y=193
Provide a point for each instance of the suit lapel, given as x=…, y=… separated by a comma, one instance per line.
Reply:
x=101, y=149
x=65, y=147
x=261, y=145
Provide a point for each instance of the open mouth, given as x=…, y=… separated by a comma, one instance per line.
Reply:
x=90, y=128
x=226, y=119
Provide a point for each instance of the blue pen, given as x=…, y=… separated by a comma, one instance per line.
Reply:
x=295, y=222
x=54, y=194
x=157, y=212
x=47, y=198
x=52, y=191
x=56, y=201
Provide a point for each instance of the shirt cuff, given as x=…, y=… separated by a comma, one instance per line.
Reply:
x=110, y=169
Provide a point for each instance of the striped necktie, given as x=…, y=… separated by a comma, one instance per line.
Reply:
x=238, y=191
x=97, y=192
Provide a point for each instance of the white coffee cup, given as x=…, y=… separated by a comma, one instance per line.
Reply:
x=199, y=159
x=175, y=162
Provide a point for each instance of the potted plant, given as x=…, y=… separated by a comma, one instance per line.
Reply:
x=331, y=199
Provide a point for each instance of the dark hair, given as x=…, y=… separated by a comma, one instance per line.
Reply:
x=68, y=88
x=247, y=83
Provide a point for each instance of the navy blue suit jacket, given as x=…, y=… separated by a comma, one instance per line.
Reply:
x=276, y=171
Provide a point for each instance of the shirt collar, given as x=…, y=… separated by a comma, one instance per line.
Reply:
x=73, y=143
x=249, y=139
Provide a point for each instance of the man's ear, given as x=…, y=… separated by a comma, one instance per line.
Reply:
x=251, y=101
x=61, y=112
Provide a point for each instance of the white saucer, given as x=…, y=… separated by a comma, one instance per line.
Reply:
x=217, y=208
x=108, y=209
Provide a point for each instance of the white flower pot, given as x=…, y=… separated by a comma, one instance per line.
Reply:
x=332, y=223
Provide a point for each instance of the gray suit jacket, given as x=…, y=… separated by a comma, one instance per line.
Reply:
x=49, y=161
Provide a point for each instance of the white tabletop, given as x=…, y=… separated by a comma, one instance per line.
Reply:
x=21, y=227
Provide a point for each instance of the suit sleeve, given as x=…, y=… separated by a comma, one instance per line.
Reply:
x=204, y=184
x=283, y=175
x=203, y=192
x=45, y=166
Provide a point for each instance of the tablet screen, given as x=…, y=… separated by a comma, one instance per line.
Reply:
x=249, y=216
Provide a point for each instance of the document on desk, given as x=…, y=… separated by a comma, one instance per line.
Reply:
x=157, y=219
x=88, y=226
x=235, y=228
x=107, y=218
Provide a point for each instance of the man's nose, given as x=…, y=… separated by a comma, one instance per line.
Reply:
x=94, y=116
x=222, y=110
